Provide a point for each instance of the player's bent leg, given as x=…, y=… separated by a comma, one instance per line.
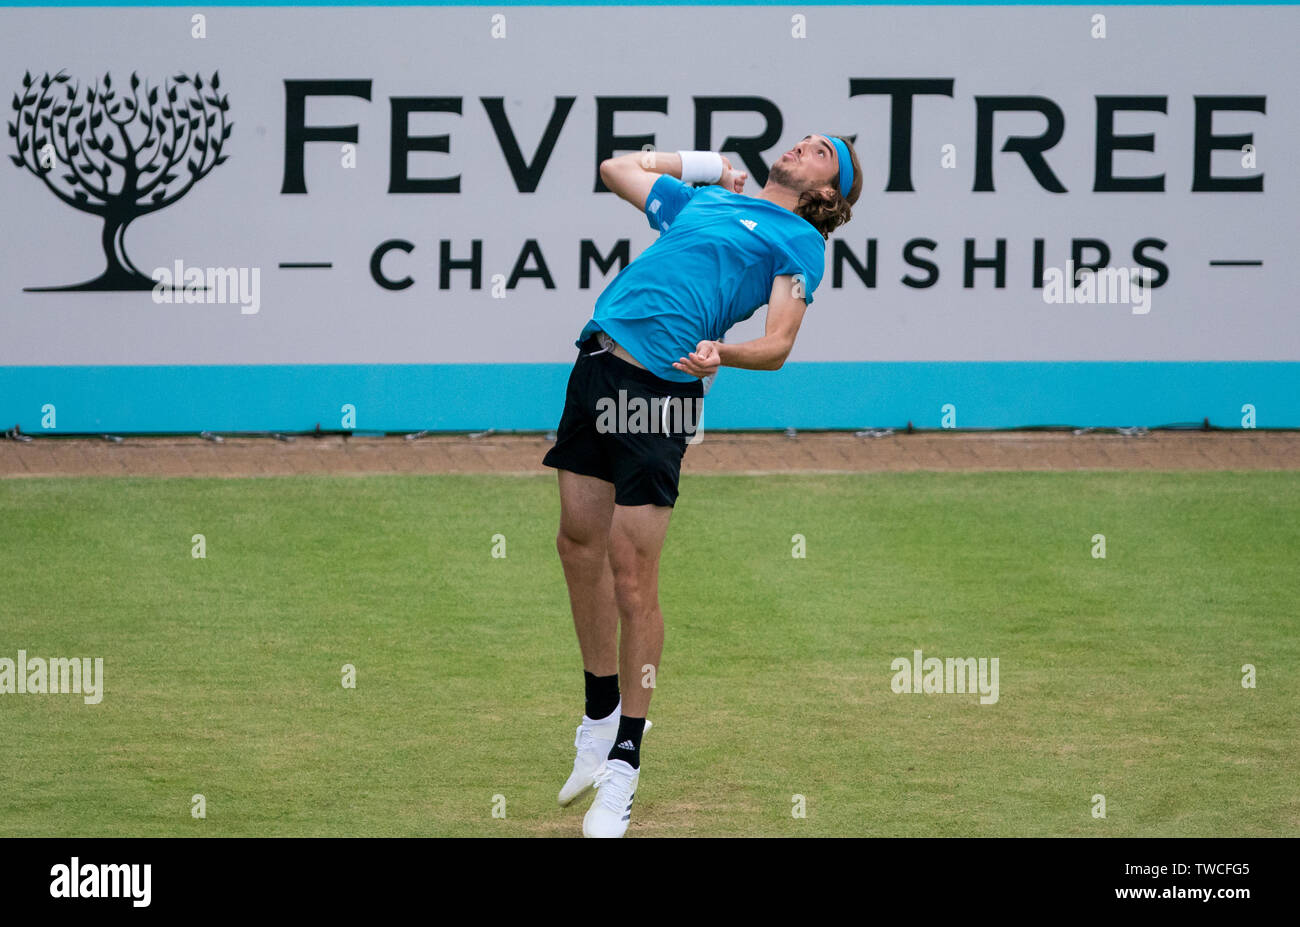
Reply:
x=586, y=509
x=586, y=512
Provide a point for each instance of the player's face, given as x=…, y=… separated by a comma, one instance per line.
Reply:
x=811, y=163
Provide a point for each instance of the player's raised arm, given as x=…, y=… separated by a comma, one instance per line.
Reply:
x=632, y=175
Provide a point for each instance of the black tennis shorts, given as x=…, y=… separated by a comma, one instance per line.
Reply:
x=624, y=425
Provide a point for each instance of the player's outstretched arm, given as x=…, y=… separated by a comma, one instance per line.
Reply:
x=632, y=175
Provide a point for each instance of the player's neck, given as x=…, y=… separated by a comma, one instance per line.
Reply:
x=779, y=195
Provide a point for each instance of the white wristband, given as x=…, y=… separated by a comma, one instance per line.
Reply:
x=701, y=166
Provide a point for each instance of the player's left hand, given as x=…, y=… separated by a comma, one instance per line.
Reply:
x=731, y=178
x=702, y=362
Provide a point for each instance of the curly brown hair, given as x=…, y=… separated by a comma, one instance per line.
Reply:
x=823, y=207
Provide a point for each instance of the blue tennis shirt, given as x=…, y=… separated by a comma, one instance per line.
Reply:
x=711, y=267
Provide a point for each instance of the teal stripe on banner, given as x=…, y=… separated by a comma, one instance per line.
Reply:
x=782, y=3
x=529, y=397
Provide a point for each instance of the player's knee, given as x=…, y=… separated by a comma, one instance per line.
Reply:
x=574, y=547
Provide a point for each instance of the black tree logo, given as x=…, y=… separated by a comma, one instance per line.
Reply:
x=105, y=168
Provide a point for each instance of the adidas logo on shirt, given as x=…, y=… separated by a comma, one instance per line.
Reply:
x=748, y=223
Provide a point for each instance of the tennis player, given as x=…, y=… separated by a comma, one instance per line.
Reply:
x=645, y=360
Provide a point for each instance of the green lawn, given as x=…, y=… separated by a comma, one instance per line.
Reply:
x=1119, y=677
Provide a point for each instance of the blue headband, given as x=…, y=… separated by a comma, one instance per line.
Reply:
x=846, y=165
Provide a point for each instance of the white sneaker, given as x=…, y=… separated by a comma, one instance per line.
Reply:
x=594, y=741
x=615, y=788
